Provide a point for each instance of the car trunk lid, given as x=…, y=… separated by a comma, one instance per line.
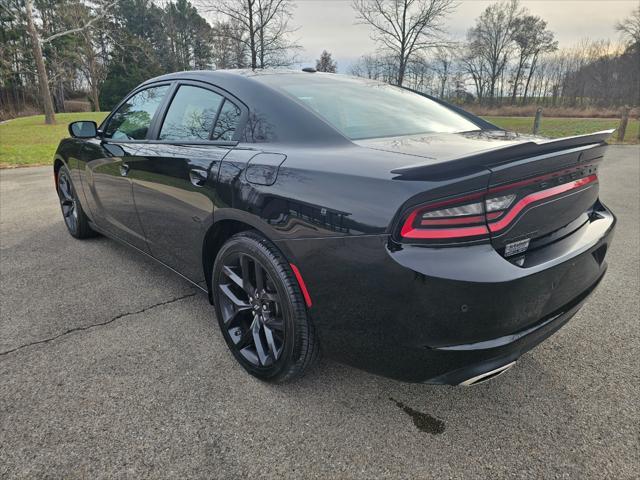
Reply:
x=544, y=197
x=538, y=190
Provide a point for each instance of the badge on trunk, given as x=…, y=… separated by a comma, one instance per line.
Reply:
x=514, y=248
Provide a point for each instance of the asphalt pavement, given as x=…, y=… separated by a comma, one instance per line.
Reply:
x=111, y=366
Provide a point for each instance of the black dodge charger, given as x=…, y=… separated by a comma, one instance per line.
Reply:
x=387, y=229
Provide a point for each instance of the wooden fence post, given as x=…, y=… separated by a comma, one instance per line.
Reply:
x=536, y=122
x=623, y=124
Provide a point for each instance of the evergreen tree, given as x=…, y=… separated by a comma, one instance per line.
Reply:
x=325, y=63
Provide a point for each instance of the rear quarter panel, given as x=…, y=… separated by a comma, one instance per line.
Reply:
x=323, y=192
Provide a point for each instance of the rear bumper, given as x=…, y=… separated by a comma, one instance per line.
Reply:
x=445, y=315
x=482, y=357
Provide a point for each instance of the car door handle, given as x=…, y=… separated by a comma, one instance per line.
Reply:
x=198, y=176
x=124, y=169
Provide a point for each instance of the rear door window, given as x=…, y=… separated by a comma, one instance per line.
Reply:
x=227, y=122
x=191, y=115
x=132, y=120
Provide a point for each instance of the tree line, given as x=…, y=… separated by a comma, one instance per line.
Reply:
x=509, y=57
x=55, y=51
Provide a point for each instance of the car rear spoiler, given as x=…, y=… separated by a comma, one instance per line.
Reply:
x=496, y=156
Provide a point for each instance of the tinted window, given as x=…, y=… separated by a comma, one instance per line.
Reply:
x=191, y=114
x=227, y=122
x=366, y=109
x=132, y=120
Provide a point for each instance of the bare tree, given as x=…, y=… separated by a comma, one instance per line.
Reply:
x=630, y=27
x=37, y=42
x=531, y=39
x=475, y=66
x=325, y=63
x=92, y=67
x=404, y=27
x=375, y=67
x=367, y=66
x=419, y=74
x=443, y=63
x=265, y=28
x=492, y=37
x=92, y=55
x=229, y=51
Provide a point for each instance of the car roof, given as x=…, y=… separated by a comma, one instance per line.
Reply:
x=238, y=80
x=279, y=115
x=222, y=76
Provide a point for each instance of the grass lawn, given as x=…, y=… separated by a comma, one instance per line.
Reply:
x=565, y=127
x=28, y=141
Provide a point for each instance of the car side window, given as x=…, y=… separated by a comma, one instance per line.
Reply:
x=132, y=120
x=227, y=122
x=191, y=114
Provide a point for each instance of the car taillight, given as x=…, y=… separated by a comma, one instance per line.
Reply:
x=473, y=217
x=450, y=219
x=538, y=196
x=496, y=204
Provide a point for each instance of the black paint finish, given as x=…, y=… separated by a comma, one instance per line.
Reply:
x=403, y=308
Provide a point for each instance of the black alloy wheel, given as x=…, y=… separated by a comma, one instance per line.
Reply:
x=261, y=310
x=74, y=217
x=251, y=310
x=67, y=201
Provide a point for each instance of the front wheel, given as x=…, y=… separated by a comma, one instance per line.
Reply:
x=261, y=310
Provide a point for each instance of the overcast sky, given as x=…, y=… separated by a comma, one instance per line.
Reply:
x=330, y=24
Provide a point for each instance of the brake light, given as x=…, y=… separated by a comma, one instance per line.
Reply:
x=473, y=218
x=457, y=220
x=536, y=197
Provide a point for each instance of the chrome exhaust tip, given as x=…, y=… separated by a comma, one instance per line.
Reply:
x=484, y=377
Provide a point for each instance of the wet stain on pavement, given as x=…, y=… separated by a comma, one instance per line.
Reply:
x=424, y=421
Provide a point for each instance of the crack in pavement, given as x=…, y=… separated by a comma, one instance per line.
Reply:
x=101, y=324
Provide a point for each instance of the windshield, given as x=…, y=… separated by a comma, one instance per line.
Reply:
x=365, y=109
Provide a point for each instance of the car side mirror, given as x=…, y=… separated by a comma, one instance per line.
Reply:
x=83, y=129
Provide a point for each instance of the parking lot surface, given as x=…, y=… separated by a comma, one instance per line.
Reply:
x=111, y=366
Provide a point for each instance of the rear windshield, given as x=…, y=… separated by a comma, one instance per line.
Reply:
x=365, y=109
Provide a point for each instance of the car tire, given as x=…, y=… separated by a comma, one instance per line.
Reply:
x=74, y=217
x=261, y=309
